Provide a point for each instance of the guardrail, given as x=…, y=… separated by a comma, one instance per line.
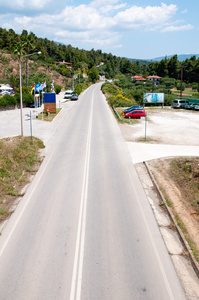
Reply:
x=116, y=113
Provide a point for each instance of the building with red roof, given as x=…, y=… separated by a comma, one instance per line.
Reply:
x=138, y=78
x=155, y=79
x=67, y=64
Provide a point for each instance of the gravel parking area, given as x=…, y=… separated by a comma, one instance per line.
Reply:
x=165, y=126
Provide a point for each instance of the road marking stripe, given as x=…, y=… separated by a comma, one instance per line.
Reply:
x=80, y=241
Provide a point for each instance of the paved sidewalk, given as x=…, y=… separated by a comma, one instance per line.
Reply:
x=10, y=121
x=143, y=152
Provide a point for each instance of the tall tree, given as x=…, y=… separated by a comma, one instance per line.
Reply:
x=173, y=67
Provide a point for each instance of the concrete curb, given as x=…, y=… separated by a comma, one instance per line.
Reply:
x=193, y=261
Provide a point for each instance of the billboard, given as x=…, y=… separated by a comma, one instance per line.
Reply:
x=153, y=98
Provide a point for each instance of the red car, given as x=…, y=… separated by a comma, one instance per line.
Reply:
x=135, y=114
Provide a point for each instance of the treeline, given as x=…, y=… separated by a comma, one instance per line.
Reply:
x=85, y=60
x=52, y=52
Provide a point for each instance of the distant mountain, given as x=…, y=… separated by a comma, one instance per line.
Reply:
x=141, y=61
x=181, y=57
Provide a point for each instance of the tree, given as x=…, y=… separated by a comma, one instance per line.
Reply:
x=162, y=69
x=57, y=88
x=13, y=80
x=173, y=67
x=94, y=74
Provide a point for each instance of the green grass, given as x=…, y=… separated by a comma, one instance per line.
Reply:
x=48, y=117
x=18, y=157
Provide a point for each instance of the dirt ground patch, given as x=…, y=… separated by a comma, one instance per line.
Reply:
x=180, y=195
x=165, y=126
x=179, y=186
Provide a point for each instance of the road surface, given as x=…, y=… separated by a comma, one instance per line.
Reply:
x=84, y=229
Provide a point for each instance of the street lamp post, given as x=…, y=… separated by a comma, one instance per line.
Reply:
x=20, y=84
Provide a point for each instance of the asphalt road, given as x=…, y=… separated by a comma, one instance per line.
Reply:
x=84, y=229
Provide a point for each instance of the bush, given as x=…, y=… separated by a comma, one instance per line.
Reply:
x=168, y=99
x=57, y=88
x=7, y=100
x=81, y=87
x=26, y=98
x=168, y=82
x=78, y=89
x=108, y=88
x=3, y=101
x=25, y=90
x=179, y=86
x=119, y=101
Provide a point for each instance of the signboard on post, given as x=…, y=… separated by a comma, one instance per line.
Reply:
x=50, y=102
x=153, y=98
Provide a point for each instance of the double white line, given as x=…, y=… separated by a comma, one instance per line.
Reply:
x=75, y=293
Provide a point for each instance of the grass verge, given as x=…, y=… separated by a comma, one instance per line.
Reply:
x=48, y=117
x=19, y=158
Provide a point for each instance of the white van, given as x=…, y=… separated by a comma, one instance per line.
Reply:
x=179, y=103
x=68, y=94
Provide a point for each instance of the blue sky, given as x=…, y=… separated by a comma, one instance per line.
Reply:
x=135, y=29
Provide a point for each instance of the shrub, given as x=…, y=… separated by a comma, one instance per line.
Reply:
x=119, y=101
x=78, y=89
x=168, y=99
x=108, y=88
x=27, y=98
x=57, y=88
x=10, y=99
x=25, y=90
x=3, y=101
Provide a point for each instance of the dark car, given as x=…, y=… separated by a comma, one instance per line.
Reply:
x=130, y=109
x=189, y=106
x=74, y=97
x=136, y=114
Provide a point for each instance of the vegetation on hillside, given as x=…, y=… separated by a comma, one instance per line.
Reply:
x=86, y=68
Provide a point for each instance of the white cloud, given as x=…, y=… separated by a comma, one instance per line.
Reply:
x=184, y=11
x=178, y=28
x=109, y=6
x=151, y=15
x=19, y=5
x=101, y=22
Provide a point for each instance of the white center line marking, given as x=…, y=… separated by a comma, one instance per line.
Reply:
x=79, y=250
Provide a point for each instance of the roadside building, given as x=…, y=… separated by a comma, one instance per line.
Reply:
x=154, y=79
x=67, y=64
x=138, y=78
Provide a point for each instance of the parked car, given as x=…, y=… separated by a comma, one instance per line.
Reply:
x=196, y=107
x=74, y=97
x=68, y=94
x=5, y=93
x=178, y=103
x=189, y=106
x=136, y=114
x=130, y=109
